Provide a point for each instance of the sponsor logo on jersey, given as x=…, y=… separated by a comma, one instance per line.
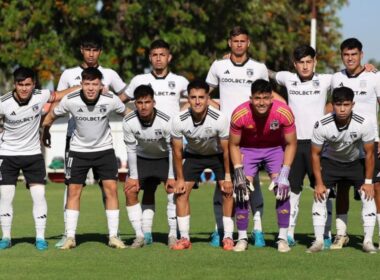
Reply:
x=316, y=125
x=89, y=119
x=29, y=119
x=304, y=92
x=360, y=92
x=315, y=83
x=236, y=81
x=249, y=72
x=363, y=83
x=164, y=93
x=274, y=125
x=35, y=108
x=171, y=84
x=208, y=130
x=227, y=72
x=158, y=132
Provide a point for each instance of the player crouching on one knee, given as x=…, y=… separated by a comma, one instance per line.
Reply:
x=347, y=140
x=206, y=132
x=147, y=136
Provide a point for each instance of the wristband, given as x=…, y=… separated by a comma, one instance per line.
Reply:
x=227, y=177
x=238, y=166
x=368, y=181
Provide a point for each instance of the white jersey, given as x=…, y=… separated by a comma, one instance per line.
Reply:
x=344, y=145
x=366, y=87
x=92, y=132
x=234, y=81
x=73, y=77
x=167, y=90
x=203, y=138
x=306, y=99
x=21, y=124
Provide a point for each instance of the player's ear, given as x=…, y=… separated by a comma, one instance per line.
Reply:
x=229, y=43
x=249, y=42
x=170, y=57
x=361, y=55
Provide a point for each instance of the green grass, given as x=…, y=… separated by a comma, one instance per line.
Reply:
x=92, y=259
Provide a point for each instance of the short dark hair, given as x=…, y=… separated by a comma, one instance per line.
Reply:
x=91, y=73
x=341, y=94
x=238, y=30
x=351, y=43
x=22, y=73
x=303, y=51
x=198, y=84
x=91, y=40
x=159, y=44
x=261, y=86
x=143, y=91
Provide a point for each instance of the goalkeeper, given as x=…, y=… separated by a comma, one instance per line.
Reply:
x=262, y=131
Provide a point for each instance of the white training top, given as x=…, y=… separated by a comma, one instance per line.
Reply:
x=73, y=76
x=167, y=90
x=366, y=86
x=21, y=136
x=234, y=81
x=306, y=99
x=150, y=141
x=202, y=138
x=344, y=145
x=92, y=131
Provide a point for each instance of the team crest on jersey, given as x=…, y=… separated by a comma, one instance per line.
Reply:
x=103, y=109
x=208, y=130
x=363, y=83
x=249, y=72
x=35, y=108
x=353, y=135
x=315, y=83
x=316, y=125
x=171, y=84
x=274, y=125
x=188, y=132
x=158, y=132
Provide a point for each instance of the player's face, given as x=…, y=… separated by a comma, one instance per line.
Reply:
x=160, y=58
x=90, y=56
x=261, y=102
x=305, y=67
x=343, y=110
x=145, y=106
x=24, y=89
x=198, y=100
x=352, y=59
x=92, y=89
x=239, y=45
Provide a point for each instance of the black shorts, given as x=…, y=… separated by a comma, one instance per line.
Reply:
x=301, y=166
x=195, y=164
x=103, y=163
x=32, y=167
x=152, y=171
x=334, y=172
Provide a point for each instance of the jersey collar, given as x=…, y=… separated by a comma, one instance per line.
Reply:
x=88, y=103
x=22, y=103
x=344, y=127
x=202, y=121
x=304, y=81
x=355, y=75
x=147, y=124
x=240, y=64
x=97, y=66
x=159, y=78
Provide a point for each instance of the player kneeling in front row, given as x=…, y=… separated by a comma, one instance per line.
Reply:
x=206, y=132
x=344, y=135
x=262, y=130
x=147, y=136
x=20, y=149
x=90, y=147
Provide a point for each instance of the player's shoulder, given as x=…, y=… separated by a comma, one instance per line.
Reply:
x=177, y=77
x=41, y=91
x=256, y=62
x=162, y=116
x=240, y=111
x=326, y=119
x=183, y=116
x=72, y=96
x=6, y=97
x=71, y=70
x=108, y=94
x=130, y=117
x=358, y=119
x=283, y=109
x=322, y=76
x=214, y=113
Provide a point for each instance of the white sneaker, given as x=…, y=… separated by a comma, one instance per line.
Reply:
x=339, y=242
x=138, y=242
x=283, y=246
x=69, y=244
x=241, y=245
x=115, y=242
x=369, y=248
x=316, y=246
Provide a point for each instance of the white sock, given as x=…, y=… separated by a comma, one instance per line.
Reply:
x=319, y=211
x=7, y=193
x=71, y=222
x=184, y=226
x=172, y=216
x=147, y=217
x=112, y=222
x=341, y=224
x=294, y=209
x=218, y=208
x=368, y=217
x=329, y=205
x=39, y=209
x=242, y=234
x=135, y=217
x=283, y=233
x=257, y=205
x=64, y=206
x=228, y=224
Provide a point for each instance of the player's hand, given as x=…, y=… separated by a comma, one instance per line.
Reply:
x=282, y=190
x=227, y=187
x=370, y=67
x=131, y=185
x=320, y=192
x=180, y=186
x=169, y=185
x=368, y=190
x=46, y=137
x=241, y=192
x=105, y=89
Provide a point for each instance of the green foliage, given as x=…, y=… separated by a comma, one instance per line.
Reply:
x=44, y=34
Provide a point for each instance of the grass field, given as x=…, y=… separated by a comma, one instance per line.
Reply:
x=92, y=259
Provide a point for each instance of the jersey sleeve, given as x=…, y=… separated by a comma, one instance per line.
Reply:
x=176, y=128
x=223, y=127
x=236, y=125
x=119, y=106
x=369, y=134
x=318, y=137
x=63, y=82
x=184, y=84
x=1, y=109
x=131, y=88
x=287, y=119
x=168, y=143
x=130, y=142
x=117, y=83
x=129, y=137
x=212, y=77
x=282, y=77
x=47, y=95
x=62, y=107
x=377, y=85
x=264, y=73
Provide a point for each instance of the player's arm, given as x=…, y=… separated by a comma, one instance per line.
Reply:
x=290, y=148
x=320, y=188
x=133, y=178
x=58, y=95
x=367, y=187
x=124, y=97
x=177, y=146
x=227, y=183
x=48, y=121
x=234, y=145
x=170, y=182
x=272, y=75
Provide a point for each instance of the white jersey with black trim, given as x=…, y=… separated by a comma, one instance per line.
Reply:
x=306, y=99
x=366, y=86
x=92, y=131
x=344, y=144
x=151, y=140
x=202, y=138
x=73, y=76
x=167, y=90
x=21, y=123
x=234, y=81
